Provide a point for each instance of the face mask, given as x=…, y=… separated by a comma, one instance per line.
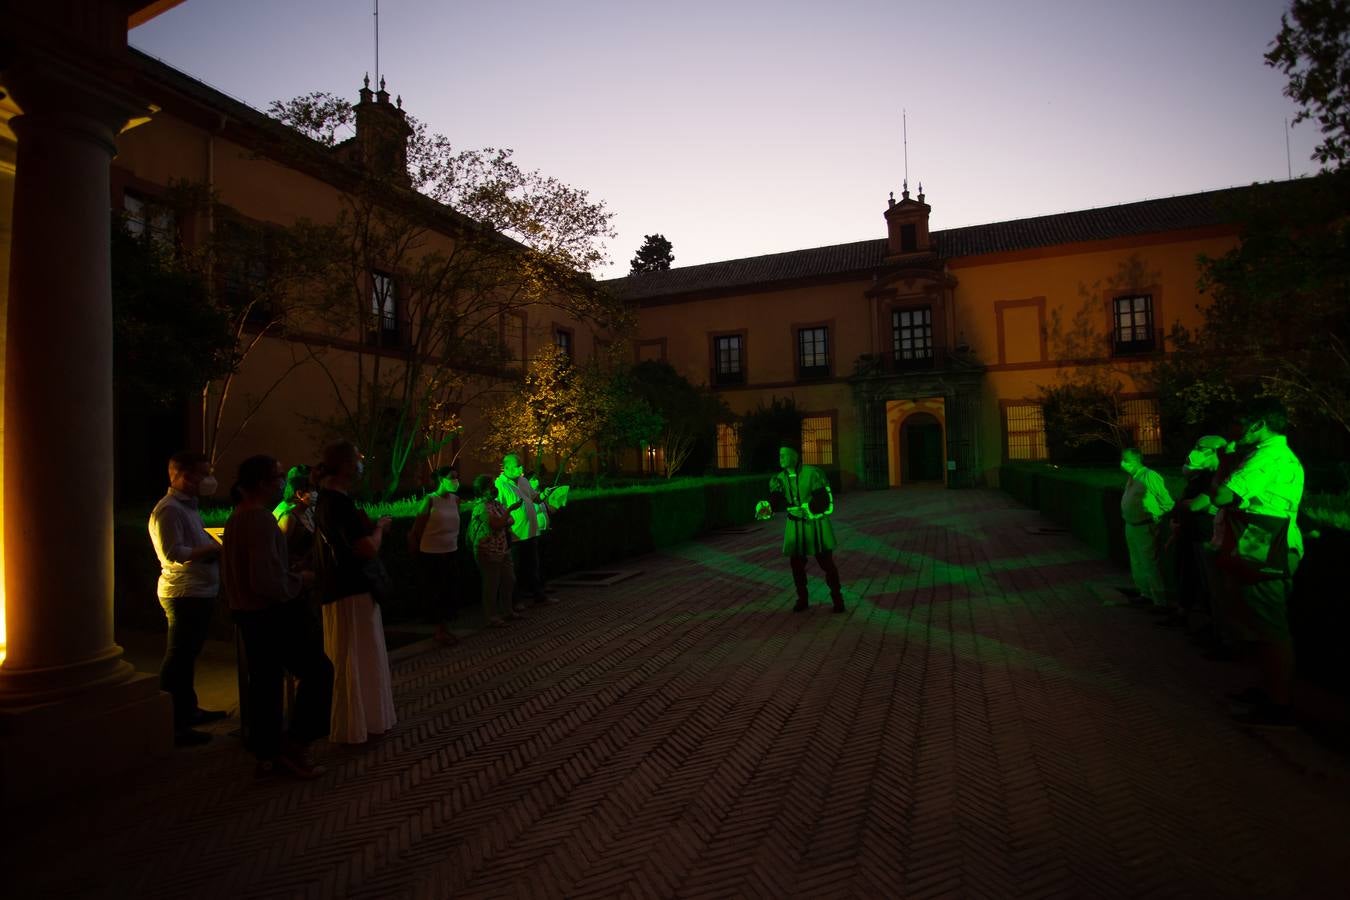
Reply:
x=360, y=468
x=207, y=486
x=1197, y=460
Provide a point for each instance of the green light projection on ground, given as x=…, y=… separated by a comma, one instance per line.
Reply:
x=928, y=572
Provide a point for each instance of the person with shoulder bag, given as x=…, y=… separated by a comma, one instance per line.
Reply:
x=350, y=575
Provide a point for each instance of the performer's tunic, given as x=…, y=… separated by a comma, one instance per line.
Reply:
x=807, y=533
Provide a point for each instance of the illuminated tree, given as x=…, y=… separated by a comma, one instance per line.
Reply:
x=655, y=255
x=466, y=237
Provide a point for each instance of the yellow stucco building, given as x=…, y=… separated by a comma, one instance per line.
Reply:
x=918, y=356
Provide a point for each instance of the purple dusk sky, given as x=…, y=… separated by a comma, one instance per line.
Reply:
x=743, y=127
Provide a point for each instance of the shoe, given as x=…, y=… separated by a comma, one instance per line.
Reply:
x=516, y=616
x=265, y=768
x=1220, y=654
x=299, y=762
x=546, y=601
x=189, y=737
x=838, y=607
x=445, y=638
x=1252, y=696
x=207, y=716
x=800, y=607
x=1172, y=620
x=1162, y=610
x=1129, y=592
x=1140, y=603
x=520, y=607
x=1267, y=717
x=496, y=622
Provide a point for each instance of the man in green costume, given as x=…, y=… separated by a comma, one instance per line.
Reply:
x=803, y=492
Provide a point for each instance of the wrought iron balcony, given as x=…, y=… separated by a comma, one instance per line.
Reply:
x=1136, y=342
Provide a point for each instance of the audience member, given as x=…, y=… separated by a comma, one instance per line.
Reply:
x=490, y=538
x=435, y=539
x=1192, y=529
x=347, y=547
x=189, y=582
x=276, y=625
x=1144, y=502
x=295, y=515
x=521, y=500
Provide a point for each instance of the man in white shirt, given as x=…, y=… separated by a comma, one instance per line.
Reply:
x=1145, y=501
x=1269, y=482
x=523, y=502
x=189, y=581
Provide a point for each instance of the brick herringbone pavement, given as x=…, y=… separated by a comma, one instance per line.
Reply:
x=978, y=724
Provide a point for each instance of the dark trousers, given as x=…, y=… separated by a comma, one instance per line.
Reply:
x=189, y=621
x=826, y=561
x=529, y=578
x=440, y=577
x=278, y=640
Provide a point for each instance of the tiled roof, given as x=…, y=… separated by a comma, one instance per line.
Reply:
x=862, y=257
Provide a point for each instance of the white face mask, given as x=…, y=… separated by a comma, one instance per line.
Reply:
x=207, y=486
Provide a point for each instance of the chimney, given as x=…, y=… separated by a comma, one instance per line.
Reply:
x=382, y=132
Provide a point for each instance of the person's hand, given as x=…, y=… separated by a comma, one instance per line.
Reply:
x=385, y=522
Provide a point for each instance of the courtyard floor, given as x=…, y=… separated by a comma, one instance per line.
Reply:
x=983, y=722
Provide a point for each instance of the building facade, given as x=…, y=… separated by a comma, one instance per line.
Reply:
x=919, y=356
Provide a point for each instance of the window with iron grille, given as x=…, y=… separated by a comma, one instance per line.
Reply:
x=818, y=440
x=729, y=364
x=1141, y=418
x=912, y=333
x=1024, y=425
x=813, y=352
x=728, y=447
x=1134, y=323
x=384, y=308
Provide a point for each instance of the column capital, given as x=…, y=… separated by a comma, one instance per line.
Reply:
x=52, y=91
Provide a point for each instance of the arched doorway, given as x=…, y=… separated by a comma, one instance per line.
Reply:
x=921, y=448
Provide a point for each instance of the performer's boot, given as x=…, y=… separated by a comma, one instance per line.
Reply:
x=826, y=561
x=799, y=580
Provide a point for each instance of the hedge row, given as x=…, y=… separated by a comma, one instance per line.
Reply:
x=1087, y=503
x=596, y=529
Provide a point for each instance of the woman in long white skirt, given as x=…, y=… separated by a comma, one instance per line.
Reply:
x=346, y=543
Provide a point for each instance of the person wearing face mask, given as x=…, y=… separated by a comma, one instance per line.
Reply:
x=1144, y=502
x=1261, y=498
x=435, y=539
x=522, y=501
x=803, y=493
x=189, y=581
x=265, y=596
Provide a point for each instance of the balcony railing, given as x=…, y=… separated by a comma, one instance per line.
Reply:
x=916, y=360
x=1139, y=342
x=724, y=379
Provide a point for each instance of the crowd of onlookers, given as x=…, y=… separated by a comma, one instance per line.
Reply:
x=1233, y=541
x=300, y=569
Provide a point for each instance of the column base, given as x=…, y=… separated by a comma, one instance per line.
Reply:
x=49, y=749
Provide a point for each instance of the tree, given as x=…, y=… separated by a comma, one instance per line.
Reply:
x=689, y=413
x=655, y=255
x=430, y=311
x=561, y=408
x=1313, y=51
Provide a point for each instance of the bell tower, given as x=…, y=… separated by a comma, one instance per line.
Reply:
x=907, y=224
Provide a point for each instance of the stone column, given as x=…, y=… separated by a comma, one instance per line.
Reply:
x=62, y=666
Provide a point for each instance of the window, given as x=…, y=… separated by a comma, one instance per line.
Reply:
x=909, y=238
x=1024, y=430
x=813, y=352
x=1134, y=324
x=818, y=440
x=912, y=334
x=653, y=460
x=383, y=310
x=562, y=339
x=513, y=338
x=1142, y=420
x=147, y=220
x=728, y=447
x=729, y=359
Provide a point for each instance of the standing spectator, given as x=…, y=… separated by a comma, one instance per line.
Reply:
x=435, y=539
x=1269, y=482
x=189, y=581
x=514, y=492
x=490, y=538
x=803, y=492
x=346, y=545
x=1143, y=504
x=1192, y=528
x=295, y=515
x=277, y=626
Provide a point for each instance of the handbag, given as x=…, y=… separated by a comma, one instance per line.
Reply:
x=381, y=585
x=1254, y=547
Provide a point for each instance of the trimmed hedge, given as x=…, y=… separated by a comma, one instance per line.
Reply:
x=1087, y=503
x=595, y=529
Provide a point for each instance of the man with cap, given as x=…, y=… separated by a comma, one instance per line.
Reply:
x=1144, y=502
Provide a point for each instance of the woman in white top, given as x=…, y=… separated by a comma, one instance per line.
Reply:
x=435, y=538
